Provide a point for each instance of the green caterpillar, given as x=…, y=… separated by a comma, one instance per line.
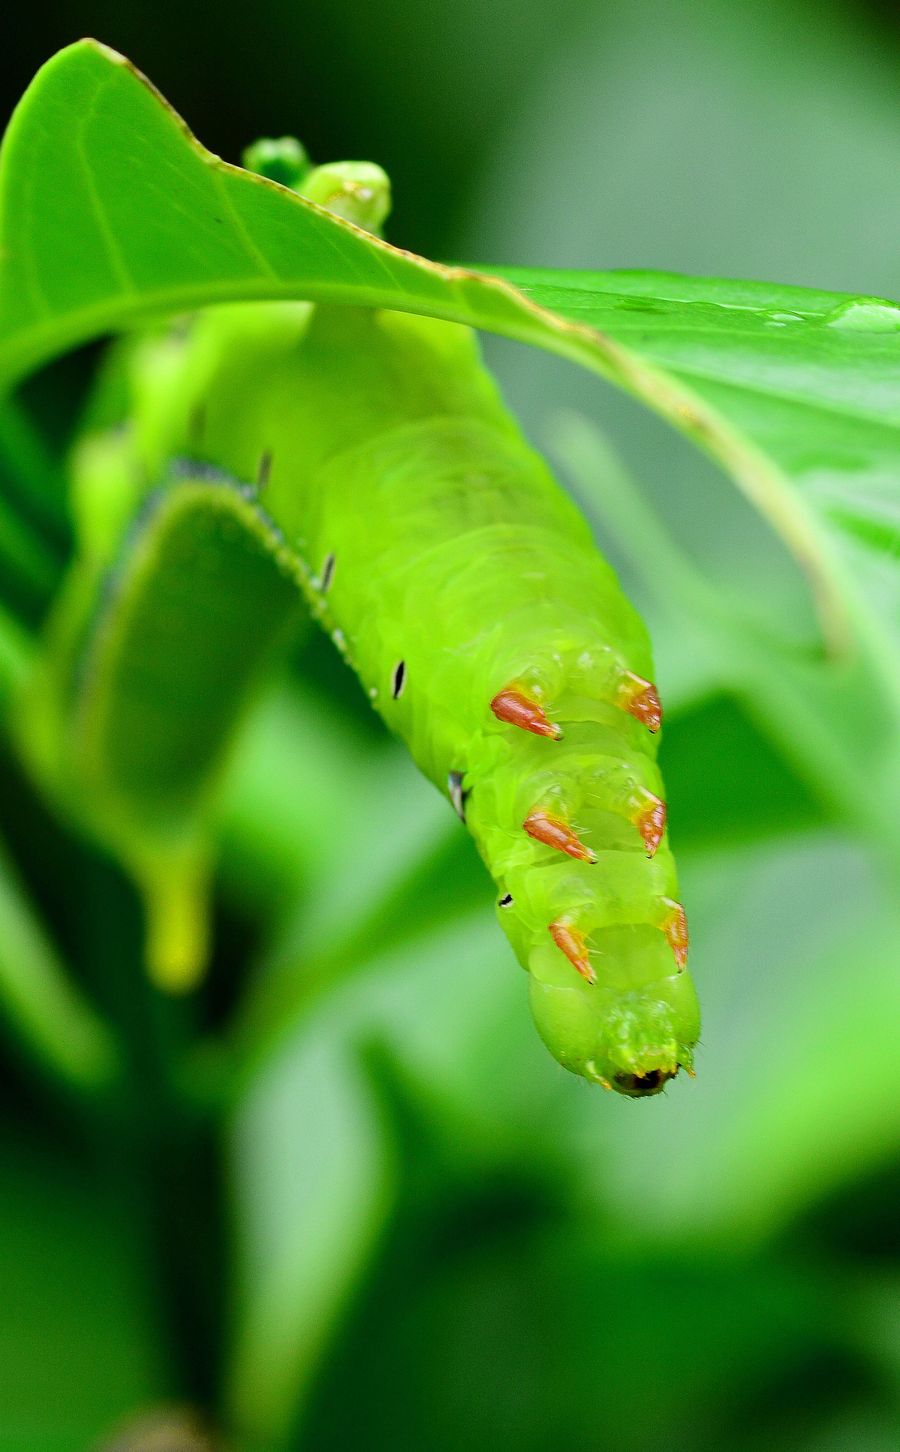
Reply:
x=368, y=458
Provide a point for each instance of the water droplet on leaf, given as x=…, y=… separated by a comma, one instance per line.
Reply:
x=866, y=315
x=781, y=320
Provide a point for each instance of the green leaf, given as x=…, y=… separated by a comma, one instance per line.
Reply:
x=803, y=703
x=725, y=783
x=801, y=386
x=312, y=1183
x=30, y=563
x=15, y=656
x=79, y=1347
x=487, y=1316
x=801, y=995
x=160, y=699
x=159, y=703
x=269, y=854
x=39, y=997
x=112, y=212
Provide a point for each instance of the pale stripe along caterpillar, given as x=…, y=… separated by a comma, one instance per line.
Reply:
x=466, y=591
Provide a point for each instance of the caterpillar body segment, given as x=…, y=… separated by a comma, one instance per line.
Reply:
x=464, y=588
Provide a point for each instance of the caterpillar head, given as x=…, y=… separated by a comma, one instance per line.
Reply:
x=282, y=159
x=359, y=191
x=633, y=1042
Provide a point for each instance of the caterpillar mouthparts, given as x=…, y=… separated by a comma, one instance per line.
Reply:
x=641, y=1086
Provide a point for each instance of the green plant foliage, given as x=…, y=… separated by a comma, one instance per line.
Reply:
x=80, y=1351
x=98, y=180
x=40, y=998
x=335, y=1196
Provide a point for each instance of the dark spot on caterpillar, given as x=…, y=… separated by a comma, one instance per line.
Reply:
x=506, y=901
x=327, y=574
x=457, y=796
x=264, y=469
x=398, y=679
x=640, y=1086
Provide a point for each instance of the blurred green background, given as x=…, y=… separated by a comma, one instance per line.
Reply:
x=407, y=1227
